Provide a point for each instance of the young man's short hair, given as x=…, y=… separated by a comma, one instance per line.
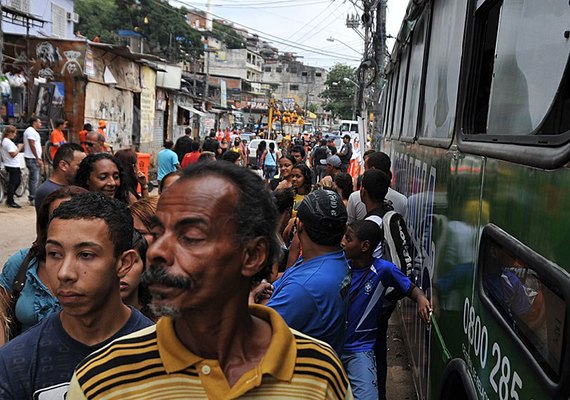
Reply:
x=379, y=160
x=376, y=184
x=367, y=230
x=324, y=216
x=298, y=149
x=65, y=153
x=95, y=205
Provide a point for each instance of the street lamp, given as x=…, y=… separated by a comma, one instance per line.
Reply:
x=348, y=80
x=331, y=39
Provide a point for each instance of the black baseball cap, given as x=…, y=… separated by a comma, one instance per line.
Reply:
x=322, y=210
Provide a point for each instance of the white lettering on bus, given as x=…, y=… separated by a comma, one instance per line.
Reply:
x=504, y=380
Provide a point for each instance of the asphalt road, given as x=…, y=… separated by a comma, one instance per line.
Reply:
x=17, y=230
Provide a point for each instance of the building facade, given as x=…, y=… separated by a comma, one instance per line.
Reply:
x=59, y=14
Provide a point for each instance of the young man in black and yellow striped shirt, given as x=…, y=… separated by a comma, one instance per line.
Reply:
x=214, y=236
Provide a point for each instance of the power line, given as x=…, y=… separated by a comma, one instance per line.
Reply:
x=310, y=21
x=275, y=4
x=270, y=37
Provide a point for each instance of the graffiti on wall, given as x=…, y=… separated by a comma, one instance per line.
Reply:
x=115, y=106
x=48, y=57
x=71, y=64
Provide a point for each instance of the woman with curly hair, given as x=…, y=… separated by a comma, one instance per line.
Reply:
x=101, y=172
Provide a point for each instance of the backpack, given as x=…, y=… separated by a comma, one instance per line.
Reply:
x=396, y=248
x=397, y=242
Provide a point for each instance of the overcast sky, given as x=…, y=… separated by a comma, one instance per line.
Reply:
x=303, y=23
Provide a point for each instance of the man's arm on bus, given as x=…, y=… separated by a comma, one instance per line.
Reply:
x=424, y=306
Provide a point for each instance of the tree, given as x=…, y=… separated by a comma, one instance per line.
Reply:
x=228, y=35
x=339, y=93
x=97, y=18
x=164, y=27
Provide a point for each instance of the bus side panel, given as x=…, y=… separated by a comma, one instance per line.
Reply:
x=531, y=205
x=443, y=206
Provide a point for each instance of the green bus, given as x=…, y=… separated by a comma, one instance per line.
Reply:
x=476, y=119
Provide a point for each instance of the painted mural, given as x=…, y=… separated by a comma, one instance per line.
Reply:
x=114, y=106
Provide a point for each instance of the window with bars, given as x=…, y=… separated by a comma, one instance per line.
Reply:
x=58, y=20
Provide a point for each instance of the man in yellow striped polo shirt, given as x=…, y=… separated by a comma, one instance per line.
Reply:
x=214, y=236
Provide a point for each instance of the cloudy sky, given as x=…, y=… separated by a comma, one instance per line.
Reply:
x=303, y=26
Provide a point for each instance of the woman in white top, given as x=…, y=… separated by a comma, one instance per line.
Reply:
x=9, y=157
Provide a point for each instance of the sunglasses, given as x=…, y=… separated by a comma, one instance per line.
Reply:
x=89, y=144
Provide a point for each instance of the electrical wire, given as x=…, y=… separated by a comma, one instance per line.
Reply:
x=279, y=4
x=269, y=37
x=309, y=22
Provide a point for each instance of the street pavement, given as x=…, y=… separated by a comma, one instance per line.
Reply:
x=17, y=228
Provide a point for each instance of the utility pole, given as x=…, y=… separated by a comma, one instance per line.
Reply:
x=380, y=54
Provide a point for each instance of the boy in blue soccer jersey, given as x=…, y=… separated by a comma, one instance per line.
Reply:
x=370, y=278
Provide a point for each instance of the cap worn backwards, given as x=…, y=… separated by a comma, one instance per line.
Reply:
x=322, y=209
x=334, y=160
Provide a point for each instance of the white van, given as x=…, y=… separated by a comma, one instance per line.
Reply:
x=348, y=126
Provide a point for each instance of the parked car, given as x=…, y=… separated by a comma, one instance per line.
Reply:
x=252, y=146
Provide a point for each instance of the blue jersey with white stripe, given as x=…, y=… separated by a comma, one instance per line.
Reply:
x=367, y=290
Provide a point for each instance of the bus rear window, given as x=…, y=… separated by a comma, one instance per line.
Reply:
x=520, y=73
x=527, y=300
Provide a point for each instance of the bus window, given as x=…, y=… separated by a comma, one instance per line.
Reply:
x=415, y=77
x=519, y=72
x=390, y=106
x=401, y=92
x=386, y=95
x=443, y=67
x=516, y=282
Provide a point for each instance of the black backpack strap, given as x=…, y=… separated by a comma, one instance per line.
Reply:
x=20, y=279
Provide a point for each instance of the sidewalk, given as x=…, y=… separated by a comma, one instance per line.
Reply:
x=17, y=228
x=400, y=385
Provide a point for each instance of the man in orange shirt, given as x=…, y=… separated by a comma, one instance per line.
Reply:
x=102, y=127
x=57, y=138
x=82, y=134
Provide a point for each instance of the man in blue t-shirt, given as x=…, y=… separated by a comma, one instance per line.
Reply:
x=370, y=279
x=311, y=295
x=88, y=252
x=167, y=161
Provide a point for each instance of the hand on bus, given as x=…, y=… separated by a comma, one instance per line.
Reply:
x=424, y=309
x=424, y=306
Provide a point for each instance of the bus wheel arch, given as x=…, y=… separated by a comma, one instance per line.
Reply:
x=457, y=382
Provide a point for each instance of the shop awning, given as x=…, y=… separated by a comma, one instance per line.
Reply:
x=193, y=110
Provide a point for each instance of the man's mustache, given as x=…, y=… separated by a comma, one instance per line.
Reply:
x=156, y=274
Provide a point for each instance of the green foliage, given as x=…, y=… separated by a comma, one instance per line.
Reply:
x=96, y=18
x=228, y=35
x=339, y=94
x=164, y=27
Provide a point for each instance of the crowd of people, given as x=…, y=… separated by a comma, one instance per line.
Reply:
x=267, y=280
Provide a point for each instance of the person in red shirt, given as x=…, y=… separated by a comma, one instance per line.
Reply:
x=57, y=138
x=192, y=157
x=82, y=134
x=102, y=127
